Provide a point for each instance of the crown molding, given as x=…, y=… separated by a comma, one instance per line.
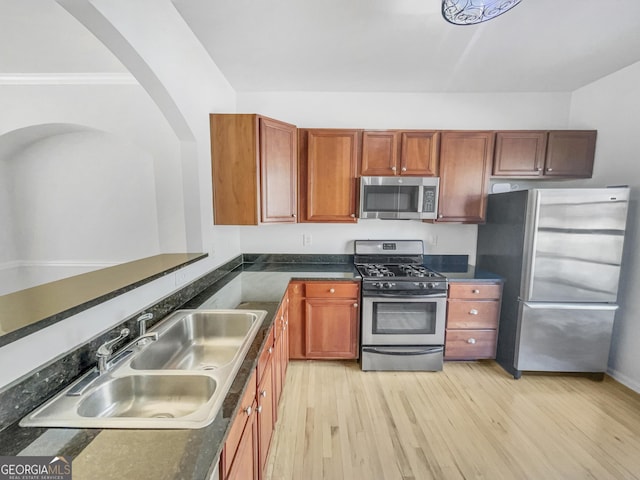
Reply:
x=67, y=79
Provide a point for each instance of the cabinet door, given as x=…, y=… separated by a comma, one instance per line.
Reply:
x=519, y=154
x=296, y=320
x=465, y=165
x=331, y=328
x=329, y=174
x=419, y=153
x=265, y=400
x=278, y=171
x=245, y=463
x=234, y=153
x=379, y=153
x=570, y=154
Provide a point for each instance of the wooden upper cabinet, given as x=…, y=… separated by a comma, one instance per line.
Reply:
x=254, y=170
x=278, y=171
x=328, y=175
x=465, y=166
x=570, y=153
x=388, y=153
x=419, y=153
x=540, y=154
x=379, y=153
x=519, y=153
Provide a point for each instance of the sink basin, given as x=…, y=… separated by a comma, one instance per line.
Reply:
x=145, y=396
x=198, y=341
x=179, y=380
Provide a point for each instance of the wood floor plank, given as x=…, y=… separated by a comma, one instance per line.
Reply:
x=470, y=421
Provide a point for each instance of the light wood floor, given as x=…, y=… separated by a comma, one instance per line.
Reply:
x=471, y=421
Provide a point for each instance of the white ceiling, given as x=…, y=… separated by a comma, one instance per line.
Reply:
x=357, y=45
x=406, y=46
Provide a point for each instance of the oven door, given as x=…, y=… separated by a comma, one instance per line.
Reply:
x=403, y=320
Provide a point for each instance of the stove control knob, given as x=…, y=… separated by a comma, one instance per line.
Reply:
x=389, y=285
x=422, y=285
x=432, y=285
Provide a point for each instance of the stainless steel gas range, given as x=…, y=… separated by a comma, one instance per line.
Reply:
x=403, y=307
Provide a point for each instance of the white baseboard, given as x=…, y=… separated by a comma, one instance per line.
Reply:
x=627, y=381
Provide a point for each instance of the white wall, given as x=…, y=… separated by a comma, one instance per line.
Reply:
x=393, y=110
x=612, y=105
x=65, y=218
x=124, y=111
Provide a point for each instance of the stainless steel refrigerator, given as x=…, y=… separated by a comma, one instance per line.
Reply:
x=560, y=253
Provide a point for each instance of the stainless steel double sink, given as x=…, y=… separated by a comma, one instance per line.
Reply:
x=177, y=381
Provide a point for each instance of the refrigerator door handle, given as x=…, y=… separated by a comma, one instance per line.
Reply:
x=571, y=306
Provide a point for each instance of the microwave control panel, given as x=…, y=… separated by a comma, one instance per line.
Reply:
x=429, y=199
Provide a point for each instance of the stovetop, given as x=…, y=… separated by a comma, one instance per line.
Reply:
x=397, y=271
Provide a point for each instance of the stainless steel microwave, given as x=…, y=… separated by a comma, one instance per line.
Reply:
x=410, y=198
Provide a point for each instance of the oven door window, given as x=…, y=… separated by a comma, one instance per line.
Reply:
x=404, y=318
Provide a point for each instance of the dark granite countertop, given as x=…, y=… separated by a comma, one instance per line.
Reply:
x=171, y=454
x=457, y=269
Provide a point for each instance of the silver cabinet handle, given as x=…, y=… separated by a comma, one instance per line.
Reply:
x=263, y=393
x=270, y=350
x=259, y=409
x=539, y=169
x=473, y=311
x=440, y=215
x=293, y=215
x=355, y=305
x=393, y=168
x=471, y=341
x=248, y=411
x=332, y=290
x=549, y=169
x=475, y=290
x=404, y=169
x=353, y=215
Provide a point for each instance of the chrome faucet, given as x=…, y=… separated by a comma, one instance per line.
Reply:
x=105, y=351
x=142, y=322
x=145, y=337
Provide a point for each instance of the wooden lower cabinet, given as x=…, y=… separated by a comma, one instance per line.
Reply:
x=324, y=320
x=473, y=314
x=265, y=411
x=239, y=459
x=331, y=328
x=245, y=453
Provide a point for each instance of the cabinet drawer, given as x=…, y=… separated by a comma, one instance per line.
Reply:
x=470, y=344
x=332, y=289
x=474, y=290
x=265, y=356
x=239, y=422
x=470, y=314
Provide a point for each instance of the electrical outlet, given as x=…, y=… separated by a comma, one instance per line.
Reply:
x=306, y=239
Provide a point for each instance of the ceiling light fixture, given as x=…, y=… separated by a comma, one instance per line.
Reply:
x=470, y=12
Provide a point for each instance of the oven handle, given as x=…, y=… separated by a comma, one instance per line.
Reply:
x=395, y=295
x=403, y=352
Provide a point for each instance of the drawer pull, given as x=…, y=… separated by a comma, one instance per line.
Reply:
x=270, y=350
x=259, y=409
x=475, y=290
x=355, y=305
x=332, y=290
x=248, y=411
x=471, y=341
x=263, y=393
x=473, y=311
